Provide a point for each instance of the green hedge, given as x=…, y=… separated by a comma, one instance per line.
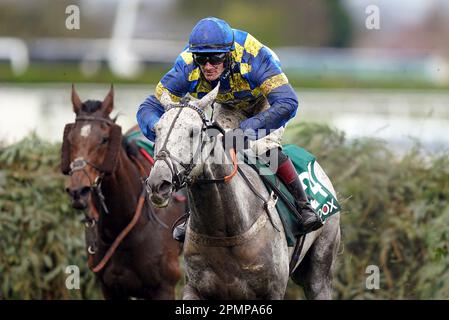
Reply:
x=40, y=235
x=395, y=216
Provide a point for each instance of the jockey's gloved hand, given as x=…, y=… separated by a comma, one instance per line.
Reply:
x=235, y=138
x=254, y=127
x=251, y=134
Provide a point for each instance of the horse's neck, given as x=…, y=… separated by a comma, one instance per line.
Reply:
x=221, y=209
x=121, y=191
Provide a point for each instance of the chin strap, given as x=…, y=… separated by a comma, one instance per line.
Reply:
x=228, y=65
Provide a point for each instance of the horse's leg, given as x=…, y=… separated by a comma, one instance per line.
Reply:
x=314, y=273
x=190, y=293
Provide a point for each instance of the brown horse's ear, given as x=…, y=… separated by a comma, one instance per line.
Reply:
x=65, y=149
x=108, y=103
x=111, y=157
x=76, y=101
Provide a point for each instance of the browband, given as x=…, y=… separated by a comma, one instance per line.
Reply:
x=92, y=118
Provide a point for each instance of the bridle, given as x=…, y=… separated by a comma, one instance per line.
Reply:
x=80, y=164
x=182, y=178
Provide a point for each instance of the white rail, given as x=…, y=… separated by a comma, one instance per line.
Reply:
x=15, y=50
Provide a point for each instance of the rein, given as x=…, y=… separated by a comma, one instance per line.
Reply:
x=127, y=229
x=122, y=235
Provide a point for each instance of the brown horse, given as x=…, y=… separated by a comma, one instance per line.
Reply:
x=129, y=244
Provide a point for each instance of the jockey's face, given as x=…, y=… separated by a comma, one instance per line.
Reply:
x=212, y=72
x=211, y=64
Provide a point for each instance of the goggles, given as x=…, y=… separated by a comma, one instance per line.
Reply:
x=214, y=58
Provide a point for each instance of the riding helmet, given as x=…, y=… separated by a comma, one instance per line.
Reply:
x=211, y=35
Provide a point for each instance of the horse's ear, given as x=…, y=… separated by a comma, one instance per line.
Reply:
x=208, y=98
x=166, y=100
x=108, y=103
x=76, y=101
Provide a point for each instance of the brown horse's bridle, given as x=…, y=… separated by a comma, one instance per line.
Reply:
x=79, y=164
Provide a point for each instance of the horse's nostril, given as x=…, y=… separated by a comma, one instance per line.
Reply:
x=78, y=193
x=84, y=191
x=165, y=187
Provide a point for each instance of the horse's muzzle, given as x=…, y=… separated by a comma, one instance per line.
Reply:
x=79, y=197
x=161, y=193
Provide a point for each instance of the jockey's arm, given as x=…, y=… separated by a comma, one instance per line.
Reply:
x=268, y=76
x=175, y=82
x=149, y=113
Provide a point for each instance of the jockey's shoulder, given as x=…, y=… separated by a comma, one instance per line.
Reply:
x=248, y=48
x=185, y=57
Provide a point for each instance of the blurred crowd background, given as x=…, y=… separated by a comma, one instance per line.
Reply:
x=372, y=77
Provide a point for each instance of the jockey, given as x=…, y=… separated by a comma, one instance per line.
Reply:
x=254, y=100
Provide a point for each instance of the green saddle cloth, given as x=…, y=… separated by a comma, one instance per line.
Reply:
x=141, y=141
x=312, y=178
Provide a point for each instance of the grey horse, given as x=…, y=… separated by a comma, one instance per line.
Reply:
x=235, y=248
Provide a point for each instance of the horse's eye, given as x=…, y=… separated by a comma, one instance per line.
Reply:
x=191, y=133
x=104, y=140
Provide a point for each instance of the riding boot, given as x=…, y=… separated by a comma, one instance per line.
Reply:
x=287, y=173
